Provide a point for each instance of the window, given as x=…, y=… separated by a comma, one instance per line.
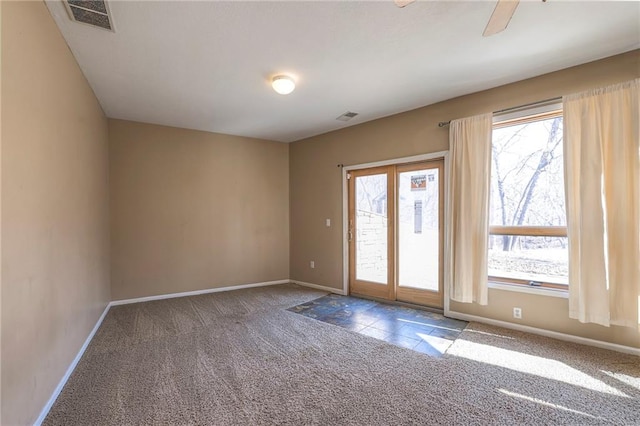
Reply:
x=528, y=229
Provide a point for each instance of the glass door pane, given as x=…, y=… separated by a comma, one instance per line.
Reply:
x=371, y=232
x=372, y=221
x=419, y=229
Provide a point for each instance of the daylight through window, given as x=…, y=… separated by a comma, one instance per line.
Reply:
x=528, y=229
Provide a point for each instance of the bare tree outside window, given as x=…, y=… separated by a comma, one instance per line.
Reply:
x=527, y=205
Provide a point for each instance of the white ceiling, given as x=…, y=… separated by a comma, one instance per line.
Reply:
x=207, y=65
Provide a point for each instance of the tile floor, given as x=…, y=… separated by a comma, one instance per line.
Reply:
x=423, y=331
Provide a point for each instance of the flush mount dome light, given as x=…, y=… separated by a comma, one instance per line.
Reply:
x=283, y=84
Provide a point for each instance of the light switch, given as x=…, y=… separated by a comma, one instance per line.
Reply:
x=328, y=222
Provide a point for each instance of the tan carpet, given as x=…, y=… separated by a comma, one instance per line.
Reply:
x=238, y=358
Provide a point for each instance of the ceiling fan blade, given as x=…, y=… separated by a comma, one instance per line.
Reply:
x=500, y=17
x=403, y=3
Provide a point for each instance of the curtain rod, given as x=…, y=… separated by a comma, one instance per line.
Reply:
x=556, y=99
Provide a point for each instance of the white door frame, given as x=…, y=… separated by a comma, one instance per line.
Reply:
x=345, y=209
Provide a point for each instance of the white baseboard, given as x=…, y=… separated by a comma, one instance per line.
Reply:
x=546, y=333
x=319, y=287
x=195, y=293
x=72, y=366
x=452, y=314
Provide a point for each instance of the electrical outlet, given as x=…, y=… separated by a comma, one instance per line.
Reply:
x=312, y=264
x=328, y=222
x=517, y=313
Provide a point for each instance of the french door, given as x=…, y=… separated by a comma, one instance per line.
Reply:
x=396, y=232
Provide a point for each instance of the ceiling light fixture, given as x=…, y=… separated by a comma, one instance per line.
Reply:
x=283, y=84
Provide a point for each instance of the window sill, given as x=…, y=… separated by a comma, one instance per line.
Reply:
x=540, y=291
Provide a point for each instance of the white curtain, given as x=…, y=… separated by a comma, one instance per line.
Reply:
x=602, y=178
x=467, y=235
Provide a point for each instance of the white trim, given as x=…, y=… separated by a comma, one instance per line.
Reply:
x=560, y=336
x=196, y=292
x=546, y=333
x=412, y=159
x=345, y=202
x=72, y=366
x=540, y=291
x=528, y=110
x=445, y=227
x=345, y=232
x=319, y=287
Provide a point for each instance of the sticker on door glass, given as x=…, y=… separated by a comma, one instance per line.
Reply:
x=418, y=182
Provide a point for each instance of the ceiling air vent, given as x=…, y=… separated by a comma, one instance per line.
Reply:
x=347, y=116
x=91, y=12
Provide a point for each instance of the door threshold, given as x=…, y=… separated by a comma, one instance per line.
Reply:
x=399, y=303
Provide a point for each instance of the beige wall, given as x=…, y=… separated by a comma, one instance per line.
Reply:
x=189, y=210
x=194, y=210
x=316, y=189
x=55, y=224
